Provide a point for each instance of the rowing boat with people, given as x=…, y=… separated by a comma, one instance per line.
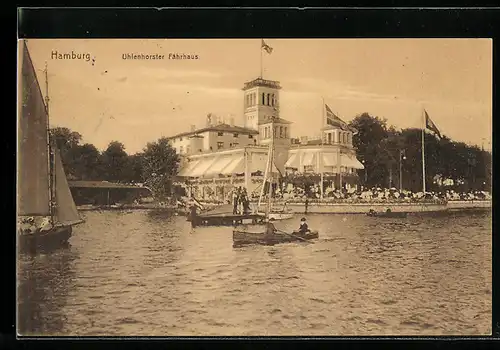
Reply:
x=265, y=233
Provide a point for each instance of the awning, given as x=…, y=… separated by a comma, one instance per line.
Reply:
x=188, y=168
x=357, y=164
x=293, y=161
x=350, y=162
x=236, y=166
x=218, y=165
x=329, y=159
x=202, y=167
x=309, y=158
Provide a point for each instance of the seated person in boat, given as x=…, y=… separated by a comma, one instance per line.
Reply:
x=46, y=225
x=303, y=226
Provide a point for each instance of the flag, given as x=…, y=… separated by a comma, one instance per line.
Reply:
x=266, y=47
x=333, y=119
x=429, y=125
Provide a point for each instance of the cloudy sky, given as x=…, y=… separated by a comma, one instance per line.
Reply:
x=137, y=101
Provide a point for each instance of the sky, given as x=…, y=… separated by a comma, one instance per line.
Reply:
x=138, y=101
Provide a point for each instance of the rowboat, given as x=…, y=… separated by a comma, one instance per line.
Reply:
x=243, y=236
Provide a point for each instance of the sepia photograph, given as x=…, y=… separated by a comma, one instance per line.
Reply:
x=254, y=187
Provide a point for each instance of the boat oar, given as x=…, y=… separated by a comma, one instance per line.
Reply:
x=300, y=238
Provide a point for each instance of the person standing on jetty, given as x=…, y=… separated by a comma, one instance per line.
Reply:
x=235, y=201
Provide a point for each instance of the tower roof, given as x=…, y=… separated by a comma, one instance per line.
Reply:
x=278, y=120
x=262, y=82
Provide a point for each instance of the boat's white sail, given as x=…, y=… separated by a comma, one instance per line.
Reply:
x=33, y=165
x=65, y=208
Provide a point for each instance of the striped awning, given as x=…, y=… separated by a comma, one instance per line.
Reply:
x=202, y=167
x=236, y=166
x=293, y=161
x=309, y=159
x=329, y=159
x=188, y=168
x=350, y=162
x=218, y=165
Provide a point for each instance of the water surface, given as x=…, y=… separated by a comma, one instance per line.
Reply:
x=141, y=273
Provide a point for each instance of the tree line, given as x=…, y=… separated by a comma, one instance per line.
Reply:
x=153, y=166
x=384, y=150
x=381, y=148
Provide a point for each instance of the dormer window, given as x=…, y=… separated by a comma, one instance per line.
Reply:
x=235, y=135
x=220, y=134
x=250, y=136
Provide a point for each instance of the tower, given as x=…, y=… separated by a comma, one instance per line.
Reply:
x=261, y=101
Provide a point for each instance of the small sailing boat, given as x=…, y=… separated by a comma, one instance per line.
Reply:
x=275, y=213
x=46, y=210
x=266, y=233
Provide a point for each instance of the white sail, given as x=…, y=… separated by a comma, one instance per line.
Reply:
x=65, y=208
x=33, y=166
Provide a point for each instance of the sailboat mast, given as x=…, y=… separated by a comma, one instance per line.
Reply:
x=423, y=152
x=50, y=156
x=270, y=168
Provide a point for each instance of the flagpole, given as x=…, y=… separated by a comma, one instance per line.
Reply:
x=423, y=152
x=261, y=59
x=320, y=162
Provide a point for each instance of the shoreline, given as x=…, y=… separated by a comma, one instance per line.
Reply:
x=331, y=208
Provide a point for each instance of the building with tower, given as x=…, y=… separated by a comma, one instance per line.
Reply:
x=220, y=156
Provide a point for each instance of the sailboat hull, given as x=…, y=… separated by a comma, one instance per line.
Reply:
x=42, y=241
x=278, y=215
x=242, y=238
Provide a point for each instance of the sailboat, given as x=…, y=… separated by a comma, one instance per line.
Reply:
x=266, y=233
x=45, y=207
x=275, y=213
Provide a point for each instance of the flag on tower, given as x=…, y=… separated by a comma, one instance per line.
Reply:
x=266, y=47
x=429, y=125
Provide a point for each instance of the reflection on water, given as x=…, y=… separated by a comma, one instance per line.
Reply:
x=146, y=273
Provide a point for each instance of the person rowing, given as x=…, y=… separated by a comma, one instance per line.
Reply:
x=303, y=228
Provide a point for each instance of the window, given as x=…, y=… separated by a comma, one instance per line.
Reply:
x=250, y=136
x=235, y=135
x=211, y=148
x=180, y=139
x=272, y=100
x=220, y=134
x=180, y=150
x=268, y=99
x=263, y=98
x=220, y=145
x=281, y=132
x=199, y=150
x=188, y=149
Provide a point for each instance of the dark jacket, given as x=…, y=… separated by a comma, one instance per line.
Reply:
x=303, y=227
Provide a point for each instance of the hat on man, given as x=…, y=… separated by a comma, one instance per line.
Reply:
x=303, y=219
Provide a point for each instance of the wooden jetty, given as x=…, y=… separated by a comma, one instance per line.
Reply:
x=224, y=219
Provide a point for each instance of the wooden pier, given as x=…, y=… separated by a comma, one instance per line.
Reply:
x=225, y=219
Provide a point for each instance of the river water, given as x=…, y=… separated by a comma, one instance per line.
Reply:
x=150, y=274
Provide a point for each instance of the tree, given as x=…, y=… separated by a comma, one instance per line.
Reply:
x=114, y=162
x=134, y=169
x=86, y=162
x=66, y=142
x=367, y=142
x=65, y=139
x=160, y=163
